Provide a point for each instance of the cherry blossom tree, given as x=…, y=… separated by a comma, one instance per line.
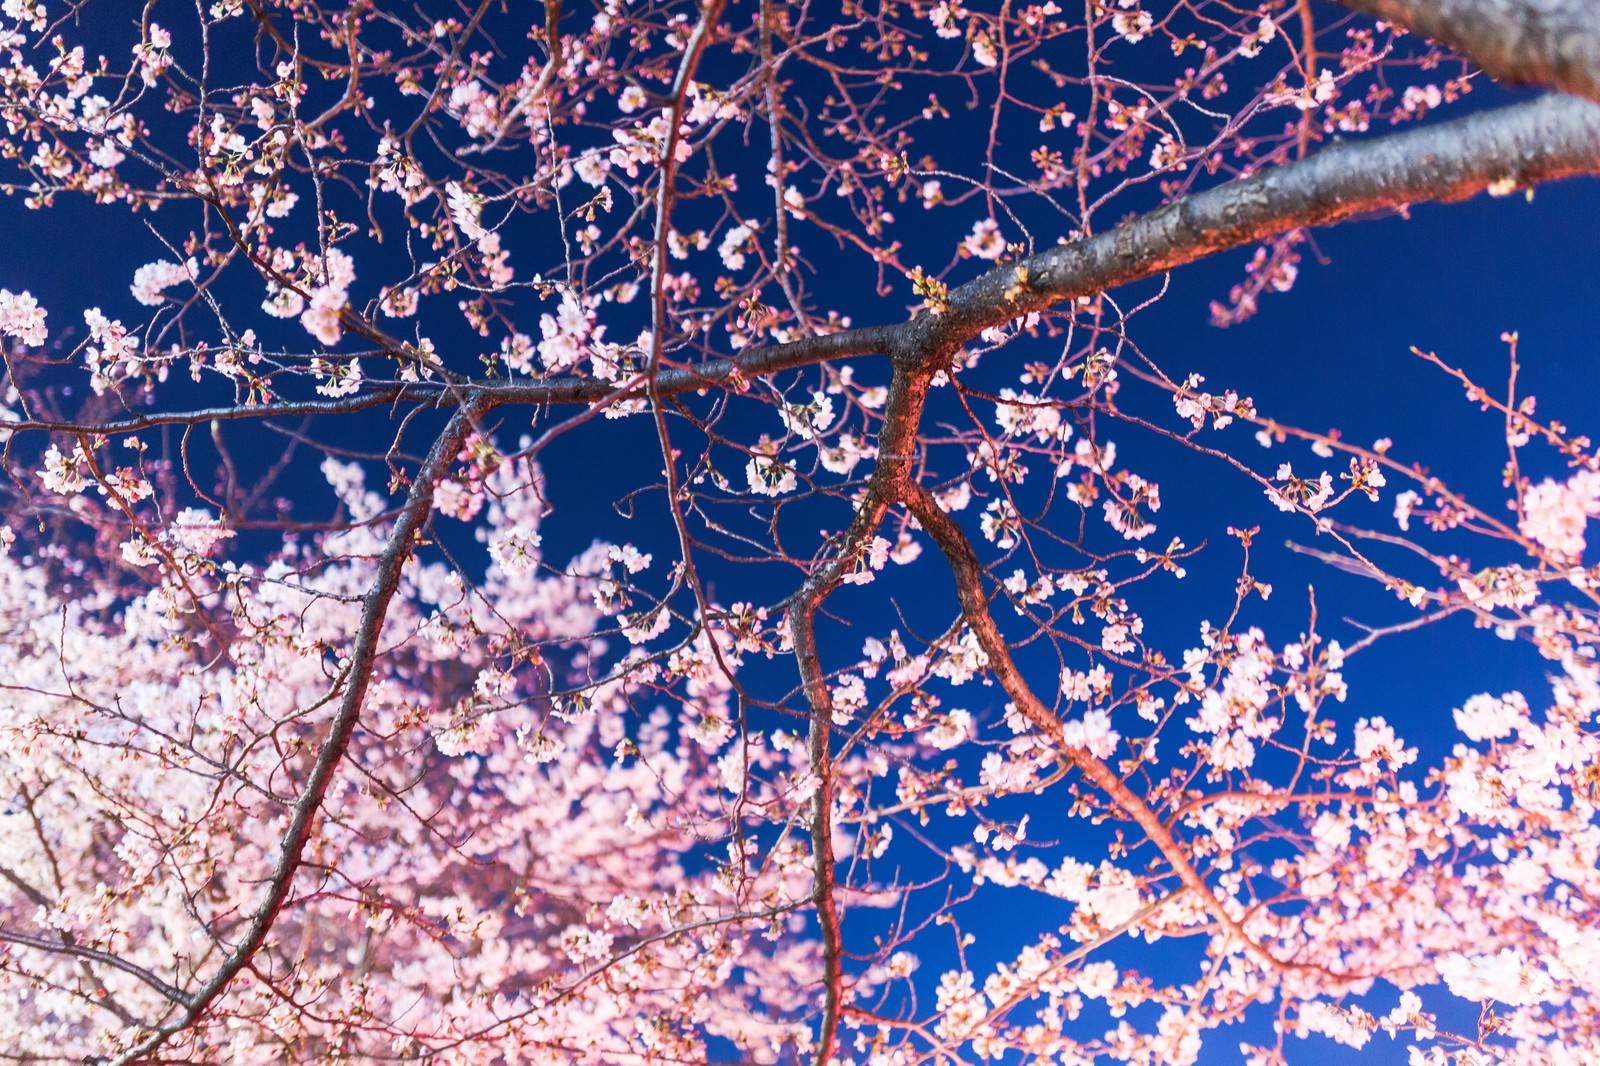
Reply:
x=316, y=750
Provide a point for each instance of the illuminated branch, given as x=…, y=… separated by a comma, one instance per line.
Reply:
x=968, y=572
x=357, y=676
x=1547, y=139
x=1520, y=42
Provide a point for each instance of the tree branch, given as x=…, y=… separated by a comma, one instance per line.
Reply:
x=78, y=951
x=1547, y=139
x=968, y=572
x=1543, y=140
x=560, y=391
x=1519, y=42
x=802, y=632
x=302, y=820
x=903, y=414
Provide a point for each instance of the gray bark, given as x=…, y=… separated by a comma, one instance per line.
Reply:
x=1519, y=42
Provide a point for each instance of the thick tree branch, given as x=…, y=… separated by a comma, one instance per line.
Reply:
x=907, y=397
x=968, y=572
x=357, y=676
x=1549, y=138
x=1519, y=42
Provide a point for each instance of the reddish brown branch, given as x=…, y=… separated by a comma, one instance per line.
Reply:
x=907, y=397
x=303, y=818
x=560, y=391
x=968, y=572
x=802, y=631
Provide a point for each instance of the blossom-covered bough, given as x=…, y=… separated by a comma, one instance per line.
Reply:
x=315, y=750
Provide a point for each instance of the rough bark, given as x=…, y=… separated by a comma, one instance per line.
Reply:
x=1519, y=42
